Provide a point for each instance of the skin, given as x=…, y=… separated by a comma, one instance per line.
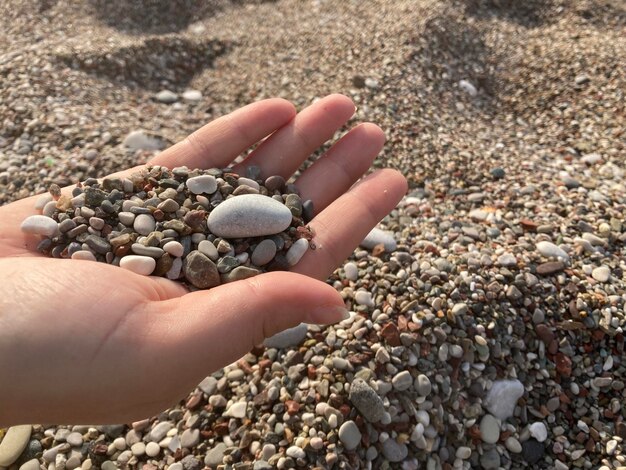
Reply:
x=86, y=342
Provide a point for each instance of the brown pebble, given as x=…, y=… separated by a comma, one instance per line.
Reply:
x=551, y=267
x=545, y=333
x=391, y=334
x=163, y=265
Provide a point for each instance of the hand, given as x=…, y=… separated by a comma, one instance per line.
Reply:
x=87, y=342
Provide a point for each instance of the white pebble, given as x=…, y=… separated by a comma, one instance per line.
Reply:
x=143, y=265
x=144, y=224
x=549, y=249
x=40, y=225
x=363, y=297
x=378, y=236
x=539, y=431
x=468, y=88
x=42, y=201
x=84, y=255
x=174, y=248
x=192, y=96
x=351, y=271
x=601, y=274
x=208, y=248
x=203, y=184
x=152, y=449
x=297, y=251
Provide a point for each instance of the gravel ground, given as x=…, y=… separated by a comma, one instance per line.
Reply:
x=508, y=120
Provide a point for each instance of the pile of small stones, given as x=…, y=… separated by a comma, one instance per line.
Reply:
x=203, y=227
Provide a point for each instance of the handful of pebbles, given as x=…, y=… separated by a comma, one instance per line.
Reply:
x=202, y=227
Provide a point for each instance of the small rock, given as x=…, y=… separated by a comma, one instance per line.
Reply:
x=237, y=410
x=40, y=225
x=549, y=250
x=489, y=429
x=513, y=445
x=366, y=400
x=249, y=215
x=143, y=265
x=377, y=237
x=507, y=260
x=192, y=96
x=174, y=248
x=539, y=431
x=139, y=140
x=13, y=444
x=601, y=274
x=203, y=184
x=532, y=451
x=363, y=297
x=263, y=253
x=295, y=452
x=166, y=96
x=287, y=338
x=351, y=271
x=200, y=270
x=395, y=451
x=215, y=456
x=423, y=385
x=32, y=464
x=297, y=251
x=349, y=435
x=144, y=224
x=468, y=88
x=502, y=398
x=551, y=267
x=497, y=173
x=402, y=380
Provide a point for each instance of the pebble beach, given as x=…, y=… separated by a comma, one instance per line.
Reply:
x=487, y=310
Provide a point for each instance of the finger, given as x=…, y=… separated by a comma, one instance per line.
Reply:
x=344, y=224
x=283, y=152
x=341, y=166
x=219, y=142
x=219, y=326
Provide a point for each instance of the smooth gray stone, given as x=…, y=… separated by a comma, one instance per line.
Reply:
x=215, y=455
x=200, y=270
x=151, y=251
x=207, y=248
x=42, y=225
x=287, y=338
x=394, y=451
x=263, y=253
x=144, y=224
x=249, y=215
x=139, y=139
x=239, y=273
x=378, y=236
x=366, y=400
x=349, y=435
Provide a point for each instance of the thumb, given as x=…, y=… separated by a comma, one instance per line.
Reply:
x=221, y=324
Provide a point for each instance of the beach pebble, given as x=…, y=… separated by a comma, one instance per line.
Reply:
x=249, y=215
x=263, y=253
x=539, y=431
x=84, y=255
x=203, y=184
x=363, y=297
x=42, y=200
x=215, y=456
x=513, y=445
x=295, y=452
x=192, y=96
x=40, y=225
x=237, y=410
x=502, y=398
x=287, y=338
x=601, y=274
x=200, y=270
x=395, y=451
x=143, y=265
x=377, y=237
x=32, y=464
x=351, y=271
x=349, y=435
x=297, y=251
x=144, y=224
x=174, y=248
x=207, y=248
x=549, y=249
x=366, y=400
x=139, y=140
x=152, y=449
x=468, y=88
x=489, y=429
x=13, y=443
x=423, y=385
x=402, y=380
x=166, y=96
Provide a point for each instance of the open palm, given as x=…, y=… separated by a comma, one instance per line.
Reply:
x=89, y=342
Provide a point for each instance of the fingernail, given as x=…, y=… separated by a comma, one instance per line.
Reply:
x=328, y=314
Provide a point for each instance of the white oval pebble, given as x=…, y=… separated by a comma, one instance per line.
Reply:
x=297, y=251
x=174, y=248
x=152, y=449
x=203, y=184
x=193, y=96
x=143, y=265
x=601, y=274
x=49, y=209
x=363, y=297
x=40, y=225
x=549, y=249
x=489, y=429
x=248, y=182
x=351, y=271
x=14, y=442
x=249, y=215
x=144, y=224
x=84, y=255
